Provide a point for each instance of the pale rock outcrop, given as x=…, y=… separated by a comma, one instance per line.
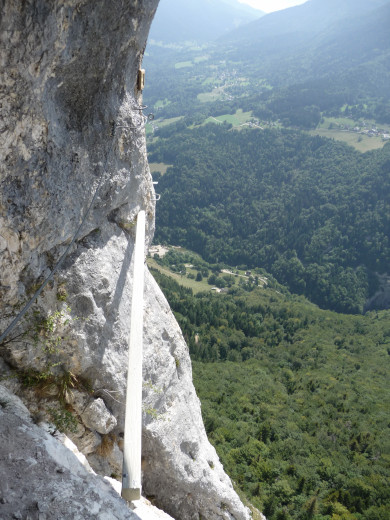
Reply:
x=43, y=478
x=71, y=121
x=97, y=417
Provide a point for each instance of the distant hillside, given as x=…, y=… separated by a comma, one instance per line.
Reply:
x=323, y=58
x=199, y=20
x=312, y=212
x=301, y=21
x=347, y=63
x=318, y=37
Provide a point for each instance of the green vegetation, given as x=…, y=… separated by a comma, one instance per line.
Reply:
x=190, y=283
x=190, y=271
x=151, y=127
x=340, y=70
x=311, y=211
x=160, y=103
x=63, y=420
x=50, y=378
x=356, y=133
x=48, y=331
x=199, y=59
x=295, y=399
x=183, y=64
x=206, y=97
x=362, y=143
x=237, y=119
x=160, y=168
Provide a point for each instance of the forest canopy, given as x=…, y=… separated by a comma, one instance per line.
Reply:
x=311, y=211
x=294, y=398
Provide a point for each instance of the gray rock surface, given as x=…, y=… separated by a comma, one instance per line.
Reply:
x=97, y=417
x=178, y=459
x=68, y=74
x=41, y=479
x=71, y=122
x=181, y=469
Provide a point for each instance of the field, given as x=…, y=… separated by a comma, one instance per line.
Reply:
x=160, y=123
x=161, y=103
x=237, y=119
x=183, y=64
x=183, y=260
x=159, y=167
x=362, y=143
x=339, y=128
x=196, y=287
x=199, y=59
x=206, y=97
x=166, y=122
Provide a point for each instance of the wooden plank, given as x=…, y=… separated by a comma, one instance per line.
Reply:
x=131, y=473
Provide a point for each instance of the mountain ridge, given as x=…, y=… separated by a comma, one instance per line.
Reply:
x=309, y=17
x=198, y=20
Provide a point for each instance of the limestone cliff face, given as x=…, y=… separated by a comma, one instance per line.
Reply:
x=45, y=477
x=68, y=73
x=71, y=122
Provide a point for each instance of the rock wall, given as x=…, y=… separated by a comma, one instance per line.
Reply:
x=44, y=476
x=68, y=74
x=71, y=122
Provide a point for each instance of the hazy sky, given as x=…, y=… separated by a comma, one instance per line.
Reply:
x=272, y=5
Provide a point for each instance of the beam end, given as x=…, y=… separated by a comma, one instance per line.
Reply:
x=131, y=494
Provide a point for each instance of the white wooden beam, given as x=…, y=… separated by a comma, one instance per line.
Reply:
x=131, y=473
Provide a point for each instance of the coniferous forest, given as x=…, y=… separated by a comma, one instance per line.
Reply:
x=311, y=211
x=271, y=150
x=294, y=398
